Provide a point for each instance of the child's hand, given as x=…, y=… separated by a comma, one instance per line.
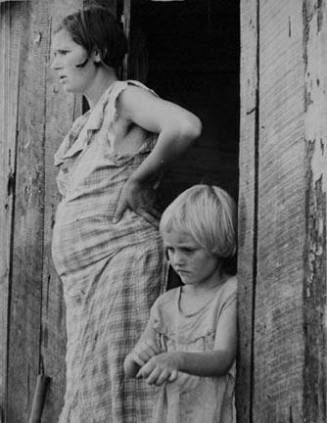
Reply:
x=161, y=368
x=141, y=354
x=144, y=351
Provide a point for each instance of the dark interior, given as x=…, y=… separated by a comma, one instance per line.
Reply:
x=188, y=52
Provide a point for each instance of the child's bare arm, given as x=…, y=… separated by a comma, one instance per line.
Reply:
x=211, y=363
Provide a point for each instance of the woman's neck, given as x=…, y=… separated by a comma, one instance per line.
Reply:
x=102, y=81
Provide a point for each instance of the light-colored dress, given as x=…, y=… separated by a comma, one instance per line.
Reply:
x=111, y=273
x=192, y=399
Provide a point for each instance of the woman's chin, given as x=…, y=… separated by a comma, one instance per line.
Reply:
x=67, y=89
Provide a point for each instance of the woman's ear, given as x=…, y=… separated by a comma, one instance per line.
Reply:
x=96, y=56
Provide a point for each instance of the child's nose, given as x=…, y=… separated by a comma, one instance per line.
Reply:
x=179, y=258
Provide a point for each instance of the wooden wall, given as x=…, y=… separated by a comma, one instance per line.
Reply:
x=282, y=214
x=34, y=116
x=9, y=42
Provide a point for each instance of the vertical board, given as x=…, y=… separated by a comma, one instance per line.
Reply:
x=60, y=112
x=27, y=234
x=278, y=334
x=314, y=287
x=11, y=22
x=247, y=205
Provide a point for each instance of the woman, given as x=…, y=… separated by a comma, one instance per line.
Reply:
x=106, y=247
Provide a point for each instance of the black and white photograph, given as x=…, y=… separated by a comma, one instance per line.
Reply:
x=163, y=169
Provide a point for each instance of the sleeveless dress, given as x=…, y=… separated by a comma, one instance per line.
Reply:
x=192, y=399
x=111, y=273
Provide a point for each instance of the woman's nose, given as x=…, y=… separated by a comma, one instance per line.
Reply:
x=55, y=64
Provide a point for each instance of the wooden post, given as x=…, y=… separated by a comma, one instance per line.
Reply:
x=248, y=205
x=27, y=231
x=315, y=143
x=278, y=334
x=11, y=22
x=287, y=296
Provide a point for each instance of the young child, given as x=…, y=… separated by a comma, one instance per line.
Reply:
x=188, y=347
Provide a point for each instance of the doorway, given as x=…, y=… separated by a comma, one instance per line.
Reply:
x=188, y=52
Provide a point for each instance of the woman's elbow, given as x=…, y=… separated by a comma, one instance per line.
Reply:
x=192, y=128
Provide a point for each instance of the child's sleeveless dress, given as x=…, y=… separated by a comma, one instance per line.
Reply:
x=192, y=399
x=111, y=273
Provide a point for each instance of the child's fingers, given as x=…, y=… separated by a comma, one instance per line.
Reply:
x=138, y=360
x=145, y=370
x=163, y=377
x=146, y=349
x=154, y=376
x=142, y=357
x=173, y=376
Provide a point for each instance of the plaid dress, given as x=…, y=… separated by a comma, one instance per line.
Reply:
x=111, y=273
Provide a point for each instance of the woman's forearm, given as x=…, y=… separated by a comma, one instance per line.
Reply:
x=171, y=143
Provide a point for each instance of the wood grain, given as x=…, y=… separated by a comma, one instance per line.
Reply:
x=10, y=31
x=247, y=260
x=314, y=284
x=278, y=334
x=27, y=234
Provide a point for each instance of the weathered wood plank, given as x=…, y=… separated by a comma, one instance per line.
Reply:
x=278, y=335
x=248, y=200
x=27, y=248
x=61, y=111
x=314, y=288
x=11, y=22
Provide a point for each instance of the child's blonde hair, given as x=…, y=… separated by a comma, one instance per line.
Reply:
x=208, y=214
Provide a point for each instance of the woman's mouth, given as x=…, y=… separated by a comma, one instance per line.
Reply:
x=182, y=272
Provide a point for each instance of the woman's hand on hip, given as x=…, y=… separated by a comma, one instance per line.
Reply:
x=138, y=197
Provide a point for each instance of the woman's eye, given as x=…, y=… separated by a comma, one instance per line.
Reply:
x=187, y=250
x=62, y=52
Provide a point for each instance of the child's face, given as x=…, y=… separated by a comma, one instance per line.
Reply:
x=191, y=261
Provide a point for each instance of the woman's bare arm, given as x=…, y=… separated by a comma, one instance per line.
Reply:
x=176, y=127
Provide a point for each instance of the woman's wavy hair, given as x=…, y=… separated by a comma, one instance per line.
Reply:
x=96, y=29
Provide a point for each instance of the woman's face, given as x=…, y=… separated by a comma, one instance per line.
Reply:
x=76, y=71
